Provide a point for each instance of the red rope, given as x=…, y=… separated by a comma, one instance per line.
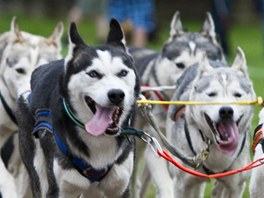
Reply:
x=249, y=166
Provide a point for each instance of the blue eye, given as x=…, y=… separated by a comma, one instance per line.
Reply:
x=94, y=74
x=122, y=73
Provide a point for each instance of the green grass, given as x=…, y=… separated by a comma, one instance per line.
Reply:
x=247, y=36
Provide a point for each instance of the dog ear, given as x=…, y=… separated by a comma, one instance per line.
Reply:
x=208, y=26
x=17, y=36
x=240, y=63
x=55, y=37
x=74, y=36
x=75, y=40
x=176, y=28
x=204, y=65
x=116, y=36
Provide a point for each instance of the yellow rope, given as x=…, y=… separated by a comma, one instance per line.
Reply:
x=258, y=101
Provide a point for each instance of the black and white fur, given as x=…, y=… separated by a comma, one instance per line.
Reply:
x=181, y=50
x=20, y=53
x=224, y=127
x=90, y=80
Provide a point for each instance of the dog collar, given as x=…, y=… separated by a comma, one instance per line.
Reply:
x=188, y=137
x=71, y=115
x=8, y=109
x=258, y=138
x=43, y=122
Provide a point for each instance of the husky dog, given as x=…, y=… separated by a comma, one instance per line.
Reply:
x=257, y=175
x=70, y=123
x=224, y=128
x=163, y=68
x=20, y=54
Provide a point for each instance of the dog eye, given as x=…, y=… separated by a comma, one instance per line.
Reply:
x=20, y=71
x=212, y=94
x=180, y=65
x=237, y=95
x=122, y=73
x=94, y=74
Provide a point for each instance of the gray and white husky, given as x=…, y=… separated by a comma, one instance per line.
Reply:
x=224, y=128
x=20, y=53
x=182, y=49
x=69, y=124
x=256, y=181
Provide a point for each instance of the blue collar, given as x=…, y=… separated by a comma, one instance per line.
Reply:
x=43, y=121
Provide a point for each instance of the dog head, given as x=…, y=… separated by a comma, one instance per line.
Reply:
x=22, y=52
x=100, y=82
x=223, y=124
x=185, y=48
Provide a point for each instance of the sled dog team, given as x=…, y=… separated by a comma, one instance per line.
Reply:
x=64, y=120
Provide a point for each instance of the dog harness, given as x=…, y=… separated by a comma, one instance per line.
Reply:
x=43, y=122
x=258, y=138
x=8, y=109
x=180, y=113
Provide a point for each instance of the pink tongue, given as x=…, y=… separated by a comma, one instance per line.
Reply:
x=100, y=121
x=229, y=130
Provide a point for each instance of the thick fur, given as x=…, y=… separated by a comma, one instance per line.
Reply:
x=226, y=126
x=256, y=181
x=20, y=53
x=182, y=49
x=104, y=75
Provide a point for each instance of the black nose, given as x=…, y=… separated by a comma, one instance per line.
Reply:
x=116, y=96
x=226, y=112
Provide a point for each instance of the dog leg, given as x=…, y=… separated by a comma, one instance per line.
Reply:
x=27, y=145
x=159, y=174
x=135, y=183
x=7, y=182
x=145, y=180
x=188, y=186
x=222, y=191
x=116, y=182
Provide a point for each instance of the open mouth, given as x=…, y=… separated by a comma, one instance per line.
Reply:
x=225, y=133
x=105, y=119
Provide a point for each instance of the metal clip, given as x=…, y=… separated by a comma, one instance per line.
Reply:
x=152, y=142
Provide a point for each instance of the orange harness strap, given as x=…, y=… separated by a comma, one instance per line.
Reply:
x=257, y=138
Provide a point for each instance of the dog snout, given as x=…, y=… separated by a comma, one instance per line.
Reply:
x=116, y=96
x=226, y=112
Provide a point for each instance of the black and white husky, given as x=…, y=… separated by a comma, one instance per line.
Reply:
x=182, y=49
x=69, y=124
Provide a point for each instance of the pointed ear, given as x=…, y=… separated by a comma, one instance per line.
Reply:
x=55, y=37
x=74, y=36
x=75, y=40
x=204, y=65
x=208, y=26
x=240, y=63
x=176, y=28
x=14, y=29
x=116, y=36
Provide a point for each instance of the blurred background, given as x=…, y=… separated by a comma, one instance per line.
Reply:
x=237, y=22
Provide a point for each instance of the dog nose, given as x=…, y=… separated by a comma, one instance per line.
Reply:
x=226, y=112
x=116, y=96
